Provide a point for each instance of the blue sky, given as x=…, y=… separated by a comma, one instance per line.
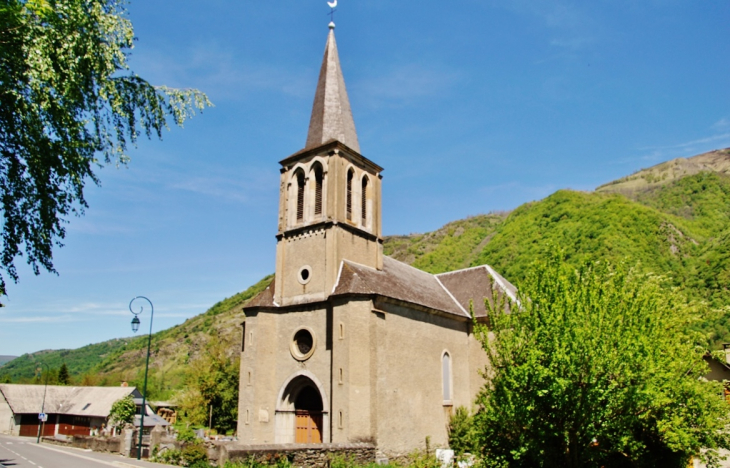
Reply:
x=470, y=107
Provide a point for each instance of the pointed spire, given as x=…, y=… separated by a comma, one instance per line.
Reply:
x=331, y=114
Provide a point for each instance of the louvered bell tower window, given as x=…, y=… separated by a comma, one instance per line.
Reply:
x=350, y=175
x=318, y=176
x=364, y=201
x=300, y=197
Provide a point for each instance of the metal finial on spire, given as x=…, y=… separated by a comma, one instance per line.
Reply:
x=333, y=6
x=331, y=113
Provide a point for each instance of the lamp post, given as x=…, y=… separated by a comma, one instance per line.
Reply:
x=135, y=327
x=43, y=404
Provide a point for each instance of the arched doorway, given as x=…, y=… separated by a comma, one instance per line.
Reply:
x=301, y=415
x=308, y=410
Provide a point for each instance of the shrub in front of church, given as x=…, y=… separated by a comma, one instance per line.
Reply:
x=462, y=432
x=597, y=366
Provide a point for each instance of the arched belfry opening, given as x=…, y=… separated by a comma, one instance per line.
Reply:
x=318, y=186
x=301, y=417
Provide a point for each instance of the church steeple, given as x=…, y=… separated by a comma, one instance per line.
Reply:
x=331, y=114
x=329, y=205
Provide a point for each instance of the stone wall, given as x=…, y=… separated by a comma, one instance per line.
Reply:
x=319, y=455
x=97, y=444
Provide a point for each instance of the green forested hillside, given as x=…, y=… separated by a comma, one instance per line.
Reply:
x=4, y=359
x=452, y=247
x=606, y=226
x=79, y=361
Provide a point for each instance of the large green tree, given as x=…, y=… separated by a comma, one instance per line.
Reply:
x=68, y=104
x=212, y=381
x=594, y=368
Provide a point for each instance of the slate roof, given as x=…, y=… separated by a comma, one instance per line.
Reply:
x=398, y=281
x=331, y=114
x=77, y=401
x=449, y=292
x=471, y=286
x=265, y=298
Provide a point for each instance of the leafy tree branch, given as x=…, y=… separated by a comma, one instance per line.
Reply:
x=68, y=104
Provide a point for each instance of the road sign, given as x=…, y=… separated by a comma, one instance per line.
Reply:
x=43, y=417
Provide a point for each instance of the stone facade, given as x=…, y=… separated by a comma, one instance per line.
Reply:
x=347, y=346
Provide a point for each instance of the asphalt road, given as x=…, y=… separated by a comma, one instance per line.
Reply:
x=23, y=452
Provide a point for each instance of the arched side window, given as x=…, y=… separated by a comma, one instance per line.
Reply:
x=350, y=176
x=364, y=200
x=318, y=182
x=446, y=376
x=300, y=196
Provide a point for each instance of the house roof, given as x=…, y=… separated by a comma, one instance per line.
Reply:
x=450, y=292
x=151, y=420
x=77, y=401
x=331, y=114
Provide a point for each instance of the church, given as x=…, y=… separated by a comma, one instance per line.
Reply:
x=348, y=345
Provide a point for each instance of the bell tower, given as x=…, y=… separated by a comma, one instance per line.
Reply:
x=329, y=197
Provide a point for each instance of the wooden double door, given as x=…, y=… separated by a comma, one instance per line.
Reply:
x=308, y=427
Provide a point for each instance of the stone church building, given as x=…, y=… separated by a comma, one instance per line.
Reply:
x=348, y=345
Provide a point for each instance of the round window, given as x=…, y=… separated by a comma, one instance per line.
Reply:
x=303, y=344
x=305, y=274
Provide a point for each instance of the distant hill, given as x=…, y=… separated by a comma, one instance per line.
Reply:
x=673, y=218
x=5, y=359
x=79, y=361
x=717, y=161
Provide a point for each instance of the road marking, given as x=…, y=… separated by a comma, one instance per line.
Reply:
x=117, y=464
x=32, y=463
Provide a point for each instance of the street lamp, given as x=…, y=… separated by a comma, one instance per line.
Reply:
x=135, y=327
x=43, y=404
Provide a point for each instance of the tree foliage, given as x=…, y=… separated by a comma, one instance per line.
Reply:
x=594, y=367
x=68, y=104
x=123, y=411
x=212, y=380
x=63, y=376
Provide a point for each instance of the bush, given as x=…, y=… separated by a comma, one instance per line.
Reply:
x=462, y=433
x=427, y=459
x=186, y=434
x=195, y=456
x=122, y=411
x=169, y=457
x=277, y=461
